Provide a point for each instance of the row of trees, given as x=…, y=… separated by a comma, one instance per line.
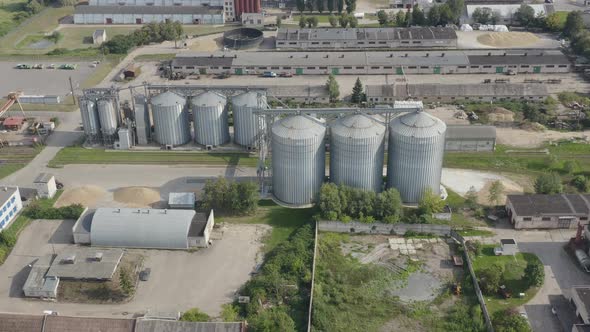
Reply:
x=230, y=196
x=343, y=21
x=323, y=5
x=149, y=33
x=443, y=14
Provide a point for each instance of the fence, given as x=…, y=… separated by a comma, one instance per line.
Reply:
x=480, y=298
x=380, y=228
x=315, y=251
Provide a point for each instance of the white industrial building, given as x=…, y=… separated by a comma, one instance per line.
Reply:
x=45, y=185
x=143, y=228
x=469, y=138
x=86, y=14
x=10, y=205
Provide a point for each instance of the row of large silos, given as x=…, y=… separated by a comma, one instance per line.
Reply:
x=415, y=152
x=170, y=114
x=100, y=118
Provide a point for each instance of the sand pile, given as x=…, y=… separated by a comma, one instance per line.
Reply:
x=137, y=196
x=85, y=195
x=508, y=39
x=500, y=114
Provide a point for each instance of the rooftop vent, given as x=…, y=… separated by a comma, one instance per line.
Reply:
x=70, y=259
x=98, y=257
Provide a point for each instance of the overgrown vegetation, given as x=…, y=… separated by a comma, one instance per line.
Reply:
x=194, y=315
x=149, y=33
x=125, y=282
x=510, y=321
x=10, y=235
x=37, y=211
x=230, y=196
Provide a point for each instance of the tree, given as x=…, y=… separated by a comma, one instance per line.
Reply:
x=343, y=20
x=302, y=21
x=434, y=15
x=490, y=279
x=353, y=21
x=357, y=92
x=330, y=6
x=382, y=17
x=312, y=21
x=482, y=15
x=333, y=88
x=418, y=17
x=340, y=5
x=388, y=207
x=400, y=19
x=194, y=315
x=350, y=6
x=534, y=274
x=456, y=9
x=581, y=183
x=495, y=191
x=495, y=18
x=570, y=166
x=430, y=203
x=272, y=320
x=279, y=21
x=329, y=201
x=510, y=321
x=300, y=5
x=446, y=14
x=65, y=3
x=554, y=22
x=230, y=196
x=408, y=19
x=574, y=24
x=309, y=5
x=525, y=15
x=119, y=44
x=333, y=21
x=471, y=198
x=319, y=5
x=33, y=7
x=548, y=183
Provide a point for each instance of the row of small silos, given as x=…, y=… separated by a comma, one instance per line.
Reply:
x=100, y=118
x=415, y=152
x=170, y=114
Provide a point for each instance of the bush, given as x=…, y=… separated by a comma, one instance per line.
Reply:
x=430, y=203
x=125, y=282
x=581, y=183
x=149, y=33
x=230, y=196
x=549, y=183
x=36, y=211
x=490, y=279
x=534, y=274
x=194, y=315
x=510, y=321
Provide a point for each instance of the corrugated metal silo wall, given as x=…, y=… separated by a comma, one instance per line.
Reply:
x=357, y=161
x=90, y=119
x=171, y=123
x=143, y=125
x=298, y=168
x=246, y=124
x=210, y=113
x=414, y=164
x=109, y=119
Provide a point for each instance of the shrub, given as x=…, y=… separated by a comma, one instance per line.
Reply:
x=194, y=315
x=549, y=183
x=534, y=274
x=581, y=183
x=510, y=321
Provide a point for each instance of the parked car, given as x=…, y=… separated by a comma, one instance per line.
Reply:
x=51, y=66
x=286, y=75
x=38, y=66
x=269, y=74
x=23, y=66
x=145, y=274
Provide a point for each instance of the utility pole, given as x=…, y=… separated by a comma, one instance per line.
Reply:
x=72, y=90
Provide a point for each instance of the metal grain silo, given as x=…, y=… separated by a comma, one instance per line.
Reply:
x=210, y=113
x=356, y=152
x=143, y=123
x=171, y=120
x=298, y=159
x=246, y=123
x=109, y=118
x=90, y=119
x=416, y=147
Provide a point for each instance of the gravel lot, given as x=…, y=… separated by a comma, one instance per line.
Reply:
x=42, y=81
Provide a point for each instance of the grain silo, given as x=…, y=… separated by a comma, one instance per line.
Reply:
x=210, y=114
x=416, y=147
x=90, y=119
x=246, y=123
x=109, y=118
x=171, y=120
x=143, y=123
x=298, y=159
x=356, y=152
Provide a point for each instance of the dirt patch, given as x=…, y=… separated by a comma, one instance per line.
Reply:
x=103, y=292
x=207, y=43
x=85, y=195
x=500, y=114
x=509, y=188
x=535, y=138
x=508, y=39
x=137, y=196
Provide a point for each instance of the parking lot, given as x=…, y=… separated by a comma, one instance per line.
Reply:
x=179, y=280
x=42, y=81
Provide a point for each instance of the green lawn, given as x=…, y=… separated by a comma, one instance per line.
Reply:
x=8, y=8
x=12, y=231
x=514, y=267
x=154, y=57
x=77, y=155
x=14, y=158
x=321, y=18
x=283, y=221
x=81, y=37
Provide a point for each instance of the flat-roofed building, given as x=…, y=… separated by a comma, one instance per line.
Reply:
x=116, y=14
x=548, y=211
x=45, y=185
x=470, y=138
x=86, y=263
x=182, y=200
x=37, y=284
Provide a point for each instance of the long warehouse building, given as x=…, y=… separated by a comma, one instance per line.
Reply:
x=374, y=62
x=360, y=38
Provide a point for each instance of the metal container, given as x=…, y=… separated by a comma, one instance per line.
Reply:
x=90, y=119
x=109, y=118
x=125, y=139
x=171, y=120
x=356, y=152
x=416, y=148
x=143, y=123
x=298, y=159
x=246, y=124
x=210, y=114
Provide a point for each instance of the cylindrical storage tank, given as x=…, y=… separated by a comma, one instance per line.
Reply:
x=416, y=148
x=356, y=152
x=90, y=119
x=109, y=119
x=298, y=159
x=171, y=120
x=246, y=123
x=210, y=118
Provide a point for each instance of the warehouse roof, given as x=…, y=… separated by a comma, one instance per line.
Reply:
x=91, y=324
x=332, y=34
x=533, y=59
x=20, y=323
x=43, y=178
x=156, y=325
x=499, y=90
x=141, y=228
x=557, y=204
x=152, y=10
x=86, y=263
x=459, y=132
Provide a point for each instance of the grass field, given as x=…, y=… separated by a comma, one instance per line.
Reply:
x=7, y=10
x=76, y=155
x=14, y=158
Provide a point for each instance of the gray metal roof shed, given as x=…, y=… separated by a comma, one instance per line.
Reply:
x=468, y=132
x=141, y=228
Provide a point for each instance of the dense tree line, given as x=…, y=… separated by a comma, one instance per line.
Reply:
x=331, y=6
x=149, y=33
x=230, y=197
